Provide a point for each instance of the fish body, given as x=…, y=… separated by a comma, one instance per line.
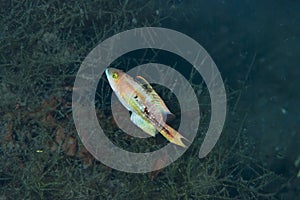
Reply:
x=148, y=110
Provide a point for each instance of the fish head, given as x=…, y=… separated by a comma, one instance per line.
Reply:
x=114, y=76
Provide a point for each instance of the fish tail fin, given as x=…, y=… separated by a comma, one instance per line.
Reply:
x=173, y=136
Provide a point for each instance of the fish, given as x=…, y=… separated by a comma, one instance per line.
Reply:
x=148, y=110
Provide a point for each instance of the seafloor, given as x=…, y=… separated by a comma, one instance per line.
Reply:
x=255, y=45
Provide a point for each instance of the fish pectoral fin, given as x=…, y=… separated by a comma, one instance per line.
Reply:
x=143, y=124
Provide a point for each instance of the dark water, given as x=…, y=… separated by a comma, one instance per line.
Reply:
x=256, y=47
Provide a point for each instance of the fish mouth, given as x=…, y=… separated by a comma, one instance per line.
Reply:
x=107, y=72
x=110, y=70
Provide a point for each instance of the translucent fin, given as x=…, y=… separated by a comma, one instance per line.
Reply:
x=145, y=84
x=168, y=116
x=143, y=124
x=166, y=113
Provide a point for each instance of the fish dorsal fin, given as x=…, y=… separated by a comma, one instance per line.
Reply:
x=166, y=113
x=146, y=85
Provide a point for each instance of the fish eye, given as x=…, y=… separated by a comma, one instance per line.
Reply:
x=115, y=75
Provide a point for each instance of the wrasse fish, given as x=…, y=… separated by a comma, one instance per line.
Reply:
x=148, y=111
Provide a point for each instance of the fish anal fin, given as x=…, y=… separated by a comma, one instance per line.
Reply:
x=143, y=124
